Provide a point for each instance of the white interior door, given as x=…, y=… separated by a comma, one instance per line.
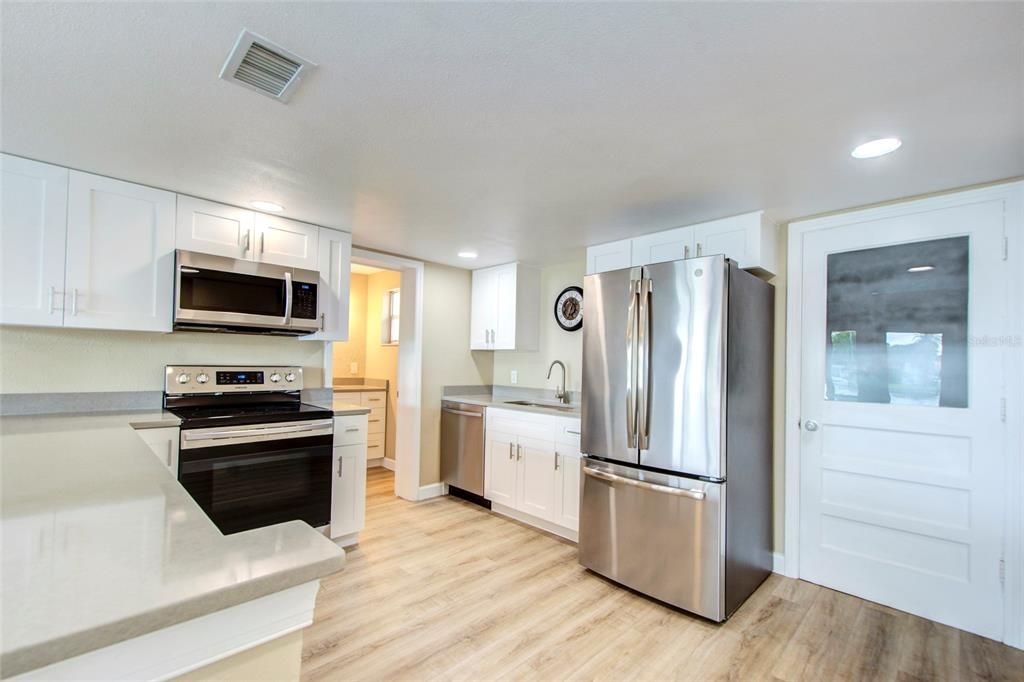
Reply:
x=902, y=447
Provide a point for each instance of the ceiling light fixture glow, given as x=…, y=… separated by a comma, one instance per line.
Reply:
x=261, y=205
x=870, y=150
x=921, y=268
x=467, y=254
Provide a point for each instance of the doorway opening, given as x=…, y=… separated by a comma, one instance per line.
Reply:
x=380, y=365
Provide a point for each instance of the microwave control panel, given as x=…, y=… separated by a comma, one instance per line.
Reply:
x=304, y=300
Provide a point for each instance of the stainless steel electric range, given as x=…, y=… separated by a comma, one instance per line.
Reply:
x=252, y=453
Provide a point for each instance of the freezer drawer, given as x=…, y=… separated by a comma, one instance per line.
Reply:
x=658, y=534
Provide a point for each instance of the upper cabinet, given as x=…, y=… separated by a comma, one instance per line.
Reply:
x=335, y=253
x=82, y=250
x=748, y=239
x=120, y=255
x=217, y=229
x=286, y=242
x=222, y=230
x=505, y=308
x=33, y=231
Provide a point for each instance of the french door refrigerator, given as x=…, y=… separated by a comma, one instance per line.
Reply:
x=676, y=431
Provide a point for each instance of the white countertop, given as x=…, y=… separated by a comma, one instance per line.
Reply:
x=102, y=544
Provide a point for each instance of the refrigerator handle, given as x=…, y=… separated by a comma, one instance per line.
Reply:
x=643, y=370
x=631, y=350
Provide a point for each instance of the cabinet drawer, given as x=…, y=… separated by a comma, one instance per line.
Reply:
x=376, y=420
x=374, y=399
x=350, y=430
x=568, y=433
x=375, y=446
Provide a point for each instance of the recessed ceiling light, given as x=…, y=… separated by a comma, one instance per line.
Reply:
x=921, y=268
x=467, y=254
x=870, y=150
x=266, y=206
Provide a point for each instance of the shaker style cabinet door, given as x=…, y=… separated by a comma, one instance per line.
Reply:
x=501, y=471
x=165, y=445
x=664, y=246
x=217, y=229
x=335, y=258
x=568, y=512
x=33, y=229
x=120, y=255
x=348, y=494
x=537, y=474
x=611, y=256
x=286, y=242
x=503, y=334
x=483, y=309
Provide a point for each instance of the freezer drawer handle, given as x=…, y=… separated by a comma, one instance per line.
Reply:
x=612, y=478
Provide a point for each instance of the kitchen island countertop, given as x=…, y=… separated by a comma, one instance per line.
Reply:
x=101, y=544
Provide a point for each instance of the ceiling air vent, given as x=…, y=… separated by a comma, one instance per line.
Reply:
x=260, y=65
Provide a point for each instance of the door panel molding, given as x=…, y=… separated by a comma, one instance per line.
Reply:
x=1012, y=197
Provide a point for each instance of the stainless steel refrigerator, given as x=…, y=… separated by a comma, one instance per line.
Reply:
x=676, y=431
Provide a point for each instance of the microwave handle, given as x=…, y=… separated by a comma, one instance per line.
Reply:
x=287, y=297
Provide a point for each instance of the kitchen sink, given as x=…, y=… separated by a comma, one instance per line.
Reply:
x=550, y=406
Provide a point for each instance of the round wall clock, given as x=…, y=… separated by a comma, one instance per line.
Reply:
x=569, y=309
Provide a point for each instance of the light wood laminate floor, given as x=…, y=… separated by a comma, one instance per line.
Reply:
x=448, y=591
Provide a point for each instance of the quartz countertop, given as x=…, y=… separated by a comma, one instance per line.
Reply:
x=491, y=401
x=358, y=388
x=102, y=544
x=342, y=407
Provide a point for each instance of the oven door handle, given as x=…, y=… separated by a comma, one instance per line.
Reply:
x=323, y=427
x=288, y=297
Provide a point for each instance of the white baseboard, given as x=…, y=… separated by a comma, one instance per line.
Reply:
x=387, y=463
x=530, y=520
x=778, y=563
x=431, y=490
x=375, y=462
x=346, y=540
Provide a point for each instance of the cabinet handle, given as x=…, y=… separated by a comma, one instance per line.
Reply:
x=698, y=249
x=322, y=322
x=245, y=242
x=372, y=446
x=341, y=462
x=510, y=450
x=352, y=429
x=686, y=251
x=74, y=301
x=373, y=421
x=575, y=433
x=519, y=452
x=261, y=242
x=53, y=295
x=556, y=460
x=170, y=445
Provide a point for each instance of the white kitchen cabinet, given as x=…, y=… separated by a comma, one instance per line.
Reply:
x=505, y=308
x=33, y=230
x=664, y=246
x=120, y=255
x=502, y=468
x=748, y=239
x=286, y=242
x=348, y=494
x=165, y=444
x=610, y=256
x=532, y=469
x=335, y=266
x=217, y=229
x=348, y=491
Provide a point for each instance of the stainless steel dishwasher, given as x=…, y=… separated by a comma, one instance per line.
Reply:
x=462, y=449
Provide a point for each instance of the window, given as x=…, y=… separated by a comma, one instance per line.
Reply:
x=389, y=317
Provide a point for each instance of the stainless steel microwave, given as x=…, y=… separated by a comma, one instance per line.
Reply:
x=213, y=293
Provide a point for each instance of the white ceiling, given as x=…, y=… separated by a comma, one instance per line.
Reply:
x=524, y=130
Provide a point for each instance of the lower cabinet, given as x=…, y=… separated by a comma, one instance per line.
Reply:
x=164, y=443
x=348, y=493
x=533, y=469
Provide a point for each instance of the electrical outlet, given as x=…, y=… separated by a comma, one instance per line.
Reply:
x=353, y=368
x=513, y=377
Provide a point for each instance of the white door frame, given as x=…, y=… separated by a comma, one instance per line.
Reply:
x=1013, y=195
x=410, y=368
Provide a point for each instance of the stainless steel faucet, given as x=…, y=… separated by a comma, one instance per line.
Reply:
x=560, y=393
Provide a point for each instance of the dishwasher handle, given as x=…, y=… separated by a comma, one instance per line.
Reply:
x=463, y=413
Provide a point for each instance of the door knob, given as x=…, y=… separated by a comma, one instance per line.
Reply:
x=811, y=425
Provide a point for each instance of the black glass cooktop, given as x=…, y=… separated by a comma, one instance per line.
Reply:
x=203, y=416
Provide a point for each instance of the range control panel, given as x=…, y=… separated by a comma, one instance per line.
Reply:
x=185, y=379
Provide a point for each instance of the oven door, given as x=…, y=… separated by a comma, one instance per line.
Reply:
x=252, y=476
x=213, y=292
